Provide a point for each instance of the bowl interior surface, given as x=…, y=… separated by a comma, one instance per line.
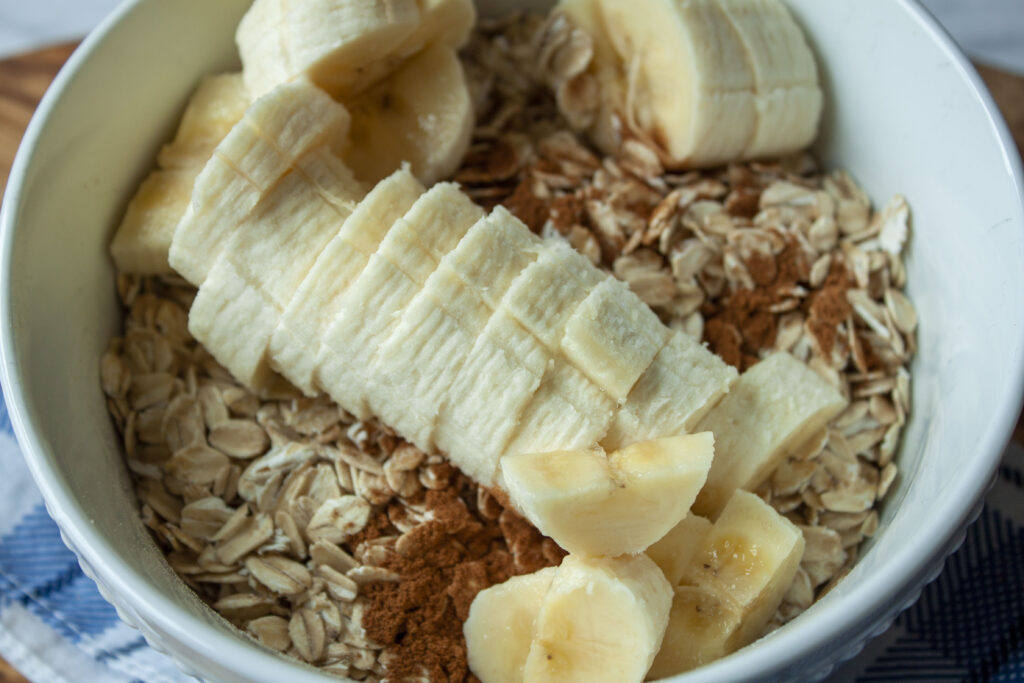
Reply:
x=903, y=115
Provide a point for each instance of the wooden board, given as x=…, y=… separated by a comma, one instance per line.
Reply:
x=24, y=79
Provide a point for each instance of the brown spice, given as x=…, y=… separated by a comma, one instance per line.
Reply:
x=446, y=562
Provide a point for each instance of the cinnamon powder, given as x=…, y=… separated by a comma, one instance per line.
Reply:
x=739, y=326
x=443, y=563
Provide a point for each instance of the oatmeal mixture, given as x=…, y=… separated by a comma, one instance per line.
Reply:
x=336, y=542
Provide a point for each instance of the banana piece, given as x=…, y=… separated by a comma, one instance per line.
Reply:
x=143, y=239
x=676, y=549
x=422, y=113
x=550, y=289
x=370, y=308
x=276, y=131
x=733, y=585
x=602, y=619
x=297, y=340
x=682, y=383
x=271, y=253
x=612, y=337
x=144, y=236
x=700, y=628
x=423, y=356
x=775, y=405
x=341, y=45
x=502, y=621
x=788, y=97
x=218, y=103
x=594, y=504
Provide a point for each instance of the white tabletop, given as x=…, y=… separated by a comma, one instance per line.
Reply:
x=991, y=31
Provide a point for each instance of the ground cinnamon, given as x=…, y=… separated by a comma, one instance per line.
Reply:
x=443, y=564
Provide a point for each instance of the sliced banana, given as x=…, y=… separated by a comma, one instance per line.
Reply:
x=143, y=239
x=502, y=621
x=422, y=113
x=341, y=45
x=674, y=552
x=218, y=103
x=298, y=338
x=682, y=383
x=276, y=131
x=371, y=308
x=788, y=97
x=775, y=405
x=708, y=82
x=602, y=619
x=596, y=504
x=733, y=585
x=612, y=337
x=272, y=251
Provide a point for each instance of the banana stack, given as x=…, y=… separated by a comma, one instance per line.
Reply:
x=706, y=81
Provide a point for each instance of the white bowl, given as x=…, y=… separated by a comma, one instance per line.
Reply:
x=906, y=113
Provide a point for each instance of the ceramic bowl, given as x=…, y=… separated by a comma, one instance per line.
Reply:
x=905, y=113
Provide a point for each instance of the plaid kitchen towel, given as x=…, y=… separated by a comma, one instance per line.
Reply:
x=55, y=627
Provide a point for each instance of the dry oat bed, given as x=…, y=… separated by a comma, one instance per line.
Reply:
x=261, y=504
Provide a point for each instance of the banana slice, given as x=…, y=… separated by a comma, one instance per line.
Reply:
x=502, y=621
x=144, y=236
x=682, y=383
x=298, y=337
x=271, y=253
x=341, y=45
x=612, y=337
x=568, y=411
x=788, y=97
x=700, y=629
x=218, y=103
x=371, y=307
x=602, y=619
x=424, y=354
x=773, y=406
x=733, y=585
x=422, y=113
x=143, y=239
x=550, y=289
x=276, y=131
x=676, y=549
x=594, y=504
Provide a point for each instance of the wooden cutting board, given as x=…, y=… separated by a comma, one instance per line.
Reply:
x=24, y=79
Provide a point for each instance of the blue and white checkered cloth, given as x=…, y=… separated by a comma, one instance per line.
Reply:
x=55, y=627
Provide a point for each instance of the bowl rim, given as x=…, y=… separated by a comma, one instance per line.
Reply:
x=876, y=594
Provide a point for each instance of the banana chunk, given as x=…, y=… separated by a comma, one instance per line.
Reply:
x=787, y=95
x=421, y=114
x=733, y=585
x=676, y=549
x=297, y=340
x=613, y=337
x=682, y=383
x=550, y=289
x=276, y=131
x=602, y=619
x=370, y=309
x=271, y=252
x=774, y=406
x=568, y=411
x=143, y=239
x=502, y=621
x=594, y=504
x=341, y=45
x=218, y=103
